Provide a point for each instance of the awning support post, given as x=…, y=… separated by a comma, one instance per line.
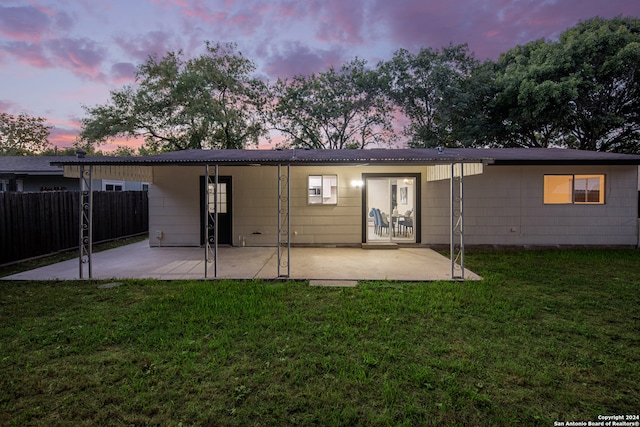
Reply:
x=86, y=217
x=211, y=236
x=457, y=222
x=284, y=227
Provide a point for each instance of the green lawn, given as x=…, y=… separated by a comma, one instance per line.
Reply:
x=547, y=336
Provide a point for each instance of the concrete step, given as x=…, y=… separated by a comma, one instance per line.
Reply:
x=380, y=245
x=334, y=283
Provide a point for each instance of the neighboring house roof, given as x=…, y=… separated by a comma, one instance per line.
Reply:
x=32, y=165
x=498, y=156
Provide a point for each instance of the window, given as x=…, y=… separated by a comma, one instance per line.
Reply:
x=112, y=185
x=574, y=189
x=5, y=185
x=588, y=189
x=222, y=198
x=323, y=189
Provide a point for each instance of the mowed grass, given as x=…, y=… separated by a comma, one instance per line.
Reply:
x=547, y=335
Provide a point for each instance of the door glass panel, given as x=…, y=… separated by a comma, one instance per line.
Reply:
x=222, y=197
x=390, y=209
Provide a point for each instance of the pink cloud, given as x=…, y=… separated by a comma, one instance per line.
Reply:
x=32, y=24
x=291, y=9
x=298, y=59
x=143, y=46
x=24, y=23
x=28, y=53
x=205, y=15
x=227, y=20
x=342, y=21
x=415, y=24
x=31, y=32
x=247, y=21
x=333, y=21
x=65, y=135
x=113, y=144
x=171, y=3
x=62, y=137
x=8, y=106
x=196, y=9
x=123, y=72
x=72, y=123
x=82, y=56
x=489, y=27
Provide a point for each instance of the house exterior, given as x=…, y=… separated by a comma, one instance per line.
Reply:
x=472, y=197
x=36, y=173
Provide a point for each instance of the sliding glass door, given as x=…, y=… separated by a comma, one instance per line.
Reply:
x=391, y=203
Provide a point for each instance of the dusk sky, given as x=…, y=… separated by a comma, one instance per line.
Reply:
x=58, y=55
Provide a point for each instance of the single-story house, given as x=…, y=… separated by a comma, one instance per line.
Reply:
x=435, y=197
x=36, y=173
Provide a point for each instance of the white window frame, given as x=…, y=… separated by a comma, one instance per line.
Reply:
x=322, y=189
x=222, y=198
x=105, y=183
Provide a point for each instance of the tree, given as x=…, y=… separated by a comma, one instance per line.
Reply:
x=468, y=113
x=581, y=91
x=602, y=59
x=532, y=100
x=23, y=135
x=336, y=109
x=208, y=102
x=123, y=151
x=427, y=88
x=55, y=151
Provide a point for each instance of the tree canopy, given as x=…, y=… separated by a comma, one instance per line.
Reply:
x=23, y=135
x=602, y=60
x=210, y=101
x=336, y=109
x=427, y=88
x=581, y=91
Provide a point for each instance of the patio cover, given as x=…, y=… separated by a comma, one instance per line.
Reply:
x=448, y=164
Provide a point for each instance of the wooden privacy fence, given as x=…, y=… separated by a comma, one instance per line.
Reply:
x=33, y=224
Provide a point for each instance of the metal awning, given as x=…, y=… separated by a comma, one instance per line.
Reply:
x=451, y=164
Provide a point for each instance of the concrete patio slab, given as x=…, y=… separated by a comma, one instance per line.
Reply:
x=138, y=261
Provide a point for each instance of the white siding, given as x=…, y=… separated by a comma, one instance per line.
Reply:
x=504, y=206
x=255, y=205
x=174, y=205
